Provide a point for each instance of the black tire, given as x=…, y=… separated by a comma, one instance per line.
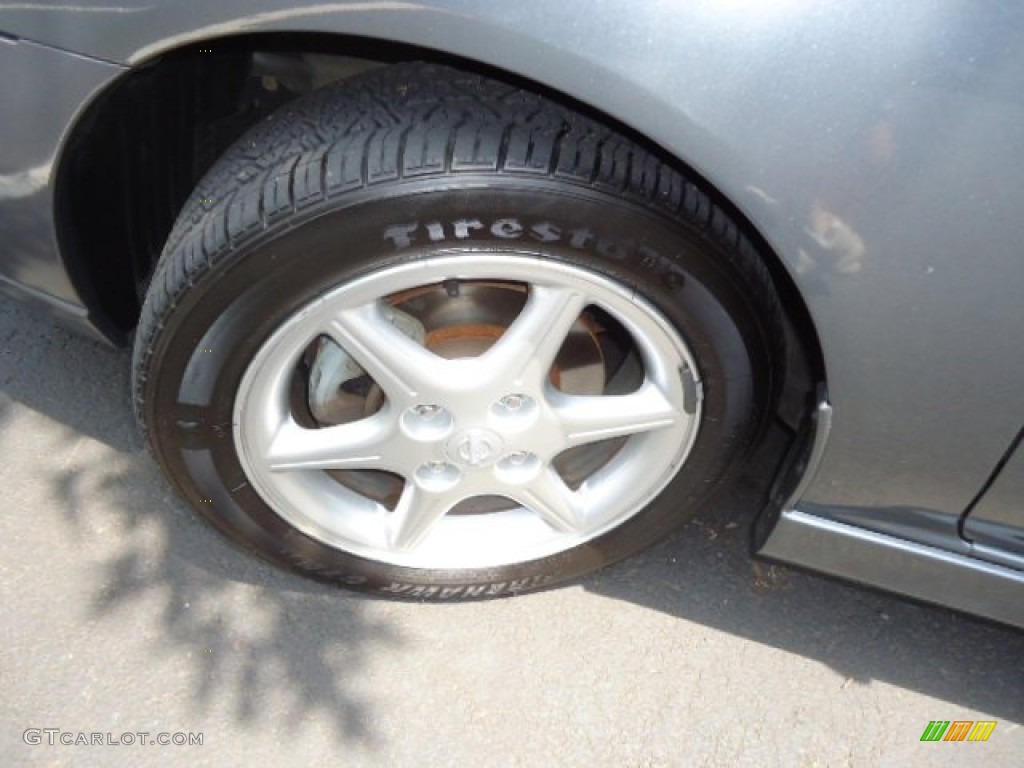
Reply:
x=372, y=172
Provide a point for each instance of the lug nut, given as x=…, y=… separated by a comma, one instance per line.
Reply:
x=437, y=476
x=513, y=402
x=427, y=422
x=515, y=411
x=518, y=467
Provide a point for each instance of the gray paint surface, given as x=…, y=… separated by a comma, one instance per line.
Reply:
x=41, y=92
x=922, y=572
x=871, y=144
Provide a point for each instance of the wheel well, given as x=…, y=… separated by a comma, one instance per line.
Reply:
x=139, y=150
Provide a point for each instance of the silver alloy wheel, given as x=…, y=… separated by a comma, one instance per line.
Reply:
x=457, y=429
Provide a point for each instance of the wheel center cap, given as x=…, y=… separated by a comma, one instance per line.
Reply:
x=475, y=447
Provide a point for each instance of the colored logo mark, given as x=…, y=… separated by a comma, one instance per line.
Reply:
x=958, y=730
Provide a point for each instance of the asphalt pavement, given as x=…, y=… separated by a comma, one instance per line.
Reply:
x=124, y=614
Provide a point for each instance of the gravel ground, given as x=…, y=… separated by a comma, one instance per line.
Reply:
x=124, y=614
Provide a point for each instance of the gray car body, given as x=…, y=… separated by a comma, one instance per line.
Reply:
x=875, y=147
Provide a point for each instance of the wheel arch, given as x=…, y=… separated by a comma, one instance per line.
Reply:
x=137, y=150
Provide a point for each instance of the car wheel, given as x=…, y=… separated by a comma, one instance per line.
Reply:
x=430, y=334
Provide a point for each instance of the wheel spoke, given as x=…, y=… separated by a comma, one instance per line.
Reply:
x=359, y=445
x=589, y=419
x=552, y=500
x=526, y=351
x=415, y=515
x=396, y=362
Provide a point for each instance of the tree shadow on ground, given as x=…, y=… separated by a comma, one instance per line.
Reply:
x=281, y=642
